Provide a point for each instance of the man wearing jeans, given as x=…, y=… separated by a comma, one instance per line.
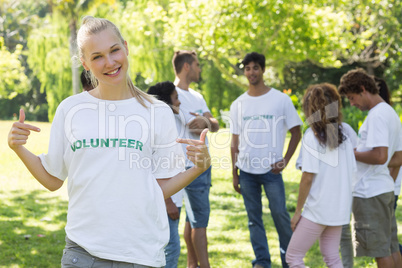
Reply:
x=195, y=117
x=260, y=119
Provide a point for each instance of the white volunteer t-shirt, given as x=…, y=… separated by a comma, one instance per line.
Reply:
x=347, y=131
x=381, y=128
x=112, y=153
x=262, y=123
x=329, y=201
x=191, y=101
x=177, y=198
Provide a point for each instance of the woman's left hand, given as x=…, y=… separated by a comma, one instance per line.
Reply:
x=197, y=151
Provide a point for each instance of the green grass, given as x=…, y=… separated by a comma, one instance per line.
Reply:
x=26, y=208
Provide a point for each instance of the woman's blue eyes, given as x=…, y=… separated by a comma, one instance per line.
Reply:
x=114, y=50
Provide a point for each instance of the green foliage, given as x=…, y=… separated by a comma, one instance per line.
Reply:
x=218, y=92
x=17, y=19
x=49, y=58
x=12, y=76
x=353, y=116
x=144, y=28
x=304, y=41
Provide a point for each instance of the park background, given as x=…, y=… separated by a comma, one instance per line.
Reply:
x=304, y=41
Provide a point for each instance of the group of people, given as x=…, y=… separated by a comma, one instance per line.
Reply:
x=342, y=173
x=124, y=213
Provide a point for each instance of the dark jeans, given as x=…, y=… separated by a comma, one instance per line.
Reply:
x=274, y=187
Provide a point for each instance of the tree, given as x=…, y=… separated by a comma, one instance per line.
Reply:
x=222, y=32
x=12, y=76
x=145, y=28
x=49, y=58
x=71, y=10
x=53, y=52
x=299, y=33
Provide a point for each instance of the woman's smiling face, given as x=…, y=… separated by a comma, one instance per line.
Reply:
x=105, y=55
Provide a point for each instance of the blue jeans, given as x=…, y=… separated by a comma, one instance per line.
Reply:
x=196, y=198
x=250, y=185
x=172, y=250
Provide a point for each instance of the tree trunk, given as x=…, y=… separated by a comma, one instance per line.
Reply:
x=74, y=55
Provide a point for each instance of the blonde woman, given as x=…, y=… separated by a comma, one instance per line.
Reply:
x=112, y=143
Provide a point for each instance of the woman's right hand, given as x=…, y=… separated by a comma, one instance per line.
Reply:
x=197, y=151
x=19, y=132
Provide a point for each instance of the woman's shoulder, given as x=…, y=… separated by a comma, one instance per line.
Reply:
x=74, y=100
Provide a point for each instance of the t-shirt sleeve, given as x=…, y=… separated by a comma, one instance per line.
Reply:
x=234, y=124
x=292, y=117
x=167, y=155
x=310, y=153
x=53, y=161
x=377, y=132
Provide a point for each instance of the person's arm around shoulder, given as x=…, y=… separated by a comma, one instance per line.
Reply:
x=197, y=152
x=295, y=137
x=234, y=151
x=17, y=137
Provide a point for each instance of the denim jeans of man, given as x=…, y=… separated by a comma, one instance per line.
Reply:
x=172, y=250
x=250, y=185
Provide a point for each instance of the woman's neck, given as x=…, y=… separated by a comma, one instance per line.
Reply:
x=111, y=93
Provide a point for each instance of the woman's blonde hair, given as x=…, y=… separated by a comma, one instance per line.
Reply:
x=322, y=108
x=90, y=26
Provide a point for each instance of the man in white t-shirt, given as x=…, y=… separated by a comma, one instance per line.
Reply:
x=260, y=119
x=195, y=116
x=373, y=195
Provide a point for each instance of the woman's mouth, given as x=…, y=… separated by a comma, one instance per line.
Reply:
x=113, y=72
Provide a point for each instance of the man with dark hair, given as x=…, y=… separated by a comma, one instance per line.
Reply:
x=373, y=195
x=256, y=58
x=260, y=119
x=196, y=195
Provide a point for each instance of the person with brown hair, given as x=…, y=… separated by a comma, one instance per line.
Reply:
x=107, y=141
x=197, y=117
x=373, y=194
x=325, y=191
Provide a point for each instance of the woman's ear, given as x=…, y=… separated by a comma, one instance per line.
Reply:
x=126, y=46
x=84, y=64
